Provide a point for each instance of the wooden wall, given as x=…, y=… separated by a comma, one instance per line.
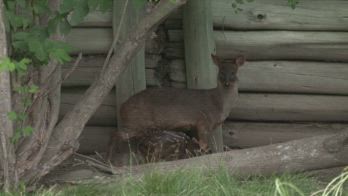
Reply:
x=294, y=84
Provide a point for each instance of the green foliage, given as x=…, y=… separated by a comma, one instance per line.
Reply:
x=32, y=45
x=293, y=3
x=192, y=182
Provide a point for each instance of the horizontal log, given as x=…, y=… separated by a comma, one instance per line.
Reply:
x=275, y=45
x=90, y=67
x=294, y=77
x=290, y=107
x=173, y=24
x=90, y=40
x=250, y=106
x=284, y=76
x=263, y=45
x=95, y=139
x=177, y=70
x=236, y=134
x=255, y=76
x=251, y=134
x=275, y=14
x=291, y=157
x=105, y=114
x=97, y=19
x=98, y=40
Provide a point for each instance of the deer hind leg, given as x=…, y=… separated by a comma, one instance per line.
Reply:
x=116, y=138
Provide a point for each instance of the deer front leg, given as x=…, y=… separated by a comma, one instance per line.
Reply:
x=202, y=131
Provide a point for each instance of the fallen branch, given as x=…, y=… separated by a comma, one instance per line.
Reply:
x=68, y=130
x=295, y=156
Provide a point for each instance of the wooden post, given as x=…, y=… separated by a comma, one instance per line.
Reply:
x=132, y=80
x=199, y=45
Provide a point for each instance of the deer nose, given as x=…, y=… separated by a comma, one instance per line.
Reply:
x=227, y=84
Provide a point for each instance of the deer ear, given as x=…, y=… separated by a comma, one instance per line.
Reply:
x=216, y=59
x=240, y=60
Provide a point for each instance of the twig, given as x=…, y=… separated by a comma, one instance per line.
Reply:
x=45, y=90
x=117, y=35
x=96, y=163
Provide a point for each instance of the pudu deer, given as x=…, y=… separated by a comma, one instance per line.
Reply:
x=157, y=109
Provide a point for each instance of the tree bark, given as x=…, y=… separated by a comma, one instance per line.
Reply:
x=45, y=110
x=8, y=158
x=64, y=138
x=295, y=156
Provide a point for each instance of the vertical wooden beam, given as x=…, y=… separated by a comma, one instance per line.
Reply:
x=199, y=44
x=132, y=80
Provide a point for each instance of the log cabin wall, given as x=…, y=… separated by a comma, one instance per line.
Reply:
x=294, y=84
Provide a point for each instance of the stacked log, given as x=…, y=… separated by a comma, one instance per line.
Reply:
x=294, y=84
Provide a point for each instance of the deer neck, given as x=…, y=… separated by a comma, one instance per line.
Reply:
x=227, y=97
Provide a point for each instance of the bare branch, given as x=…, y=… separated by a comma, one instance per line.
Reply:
x=71, y=126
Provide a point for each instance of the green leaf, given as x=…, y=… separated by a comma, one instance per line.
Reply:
x=106, y=5
x=36, y=47
x=33, y=89
x=7, y=65
x=12, y=116
x=41, y=7
x=16, y=136
x=52, y=25
x=81, y=10
x=22, y=116
x=60, y=55
x=22, y=65
x=66, y=6
x=28, y=130
x=139, y=3
x=93, y=4
x=21, y=3
x=64, y=26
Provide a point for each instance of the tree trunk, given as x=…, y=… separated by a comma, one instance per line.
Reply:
x=44, y=111
x=295, y=156
x=7, y=154
x=63, y=141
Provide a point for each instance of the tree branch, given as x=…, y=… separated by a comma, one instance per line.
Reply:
x=69, y=129
x=8, y=158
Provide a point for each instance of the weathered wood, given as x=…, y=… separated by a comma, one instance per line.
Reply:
x=95, y=139
x=97, y=19
x=250, y=106
x=173, y=24
x=255, y=76
x=199, y=45
x=177, y=70
x=294, y=77
x=235, y=134
x=284, y=76
x=90, y=40
x=105, y=114
x=251, y=134
x=174, y=50
x=290, y=107
x=294, y=156
x=84, y=76
x=151, y=79
x=326, y=46
x=274, y=14
x=98, y=41
x=8, y=174
x=264, y=45
x=132, y=79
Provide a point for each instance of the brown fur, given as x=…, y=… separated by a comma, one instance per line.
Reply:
x=157, y=109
